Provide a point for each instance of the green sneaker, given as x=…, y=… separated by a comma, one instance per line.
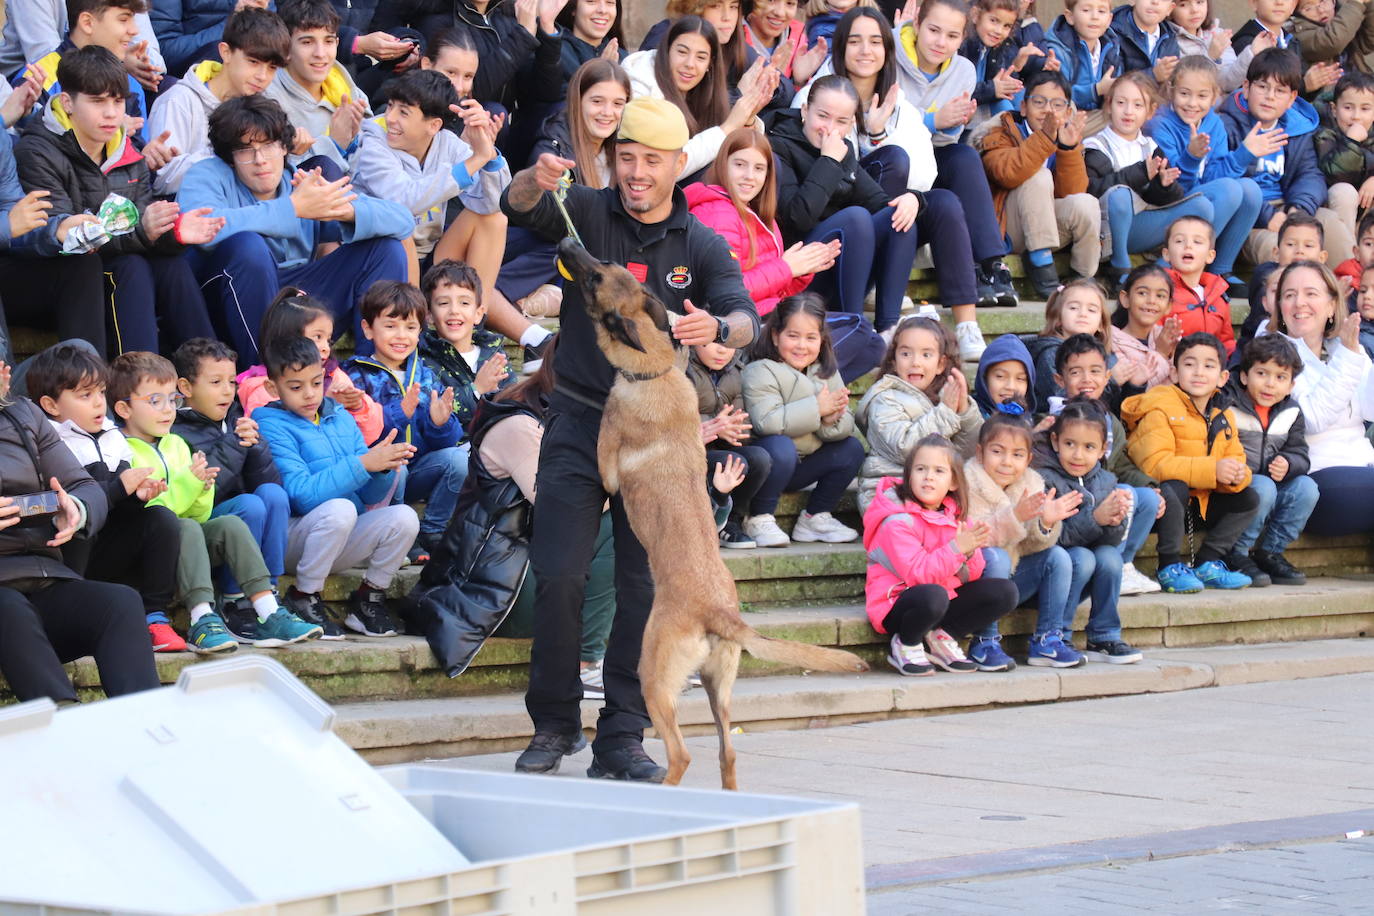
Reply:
x=209, y=635
x=284, y=627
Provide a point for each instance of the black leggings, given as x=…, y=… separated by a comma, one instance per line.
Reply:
x=41, y=631
x=1228, y=515
x=922, y=608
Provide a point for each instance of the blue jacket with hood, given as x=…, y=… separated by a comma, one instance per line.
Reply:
x=1301, y=182
x=1134, y=48
x=1075, y=62
x=1172, y=135
x=321, y=460
x=1006, y=348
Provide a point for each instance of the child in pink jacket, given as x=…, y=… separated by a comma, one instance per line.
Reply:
x=739, y=201
x=925, y=564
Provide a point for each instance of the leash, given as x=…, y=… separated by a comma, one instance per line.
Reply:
x=565, y=182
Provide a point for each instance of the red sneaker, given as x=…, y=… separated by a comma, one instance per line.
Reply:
x=165, y=639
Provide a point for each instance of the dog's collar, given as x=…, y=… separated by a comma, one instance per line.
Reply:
x=642, y=376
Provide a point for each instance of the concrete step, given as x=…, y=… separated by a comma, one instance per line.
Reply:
x=357, y=668
x=402, y=730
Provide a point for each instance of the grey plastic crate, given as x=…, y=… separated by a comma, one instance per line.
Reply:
x=229, y=793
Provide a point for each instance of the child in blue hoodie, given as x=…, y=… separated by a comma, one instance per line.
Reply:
x=1266, y=119
x=1006, y=379
x=1147, y=39
x=1191, y=137
x=1089, y=54
x=274, y=222
x=414, y=404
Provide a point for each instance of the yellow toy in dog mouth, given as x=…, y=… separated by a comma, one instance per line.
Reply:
x=559, y=196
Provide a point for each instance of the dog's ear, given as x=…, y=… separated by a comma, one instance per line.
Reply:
x=622, y=330
x=657, y=312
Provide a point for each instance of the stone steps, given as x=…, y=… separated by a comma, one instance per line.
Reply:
x=403, y=730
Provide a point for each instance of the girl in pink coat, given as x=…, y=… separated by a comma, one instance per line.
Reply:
x=739, y=200
x=925, y=564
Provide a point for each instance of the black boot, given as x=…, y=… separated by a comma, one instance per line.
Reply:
x=1045, y=279
x=546, y=751
x=1280, y=571
x=1001, y=283
x=987, y=288
x=629, y=763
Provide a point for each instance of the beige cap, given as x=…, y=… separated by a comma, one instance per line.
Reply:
x=655, y=123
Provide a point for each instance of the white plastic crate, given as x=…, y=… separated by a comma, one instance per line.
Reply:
x=229, y=793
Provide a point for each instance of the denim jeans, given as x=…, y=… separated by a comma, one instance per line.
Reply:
x=1045, y=573
x=1134, y=232
x=1142, y=521
x=266, y=511
x=1283, y=512
x=1097, y=575
x=830, y=467
x=437, y=477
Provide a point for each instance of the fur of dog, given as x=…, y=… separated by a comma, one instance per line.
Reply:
x=650, y=451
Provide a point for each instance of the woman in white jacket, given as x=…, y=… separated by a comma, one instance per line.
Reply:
x=1336, y=393
x=688, y=70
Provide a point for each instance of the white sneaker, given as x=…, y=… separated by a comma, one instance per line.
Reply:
x=908, y=660
x=822, y=527
x=943, y=650
x=1135, y=582
x=764, y=531
x=593, y=688
x=971, y=343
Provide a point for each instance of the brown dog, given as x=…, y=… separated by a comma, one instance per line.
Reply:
x=650, y=451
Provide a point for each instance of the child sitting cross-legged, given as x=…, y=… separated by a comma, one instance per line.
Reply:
x=464, y=355
x=143, y=387
x=137, y=545
x=247, y=484
x=1180, y=435
x=1025, y=523
x=1274, y=433
x=331, y=478
x=414, y=405
x=925, y=581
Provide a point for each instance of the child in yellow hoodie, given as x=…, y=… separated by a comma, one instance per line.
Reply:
x=143, y=388
x=1183, y=436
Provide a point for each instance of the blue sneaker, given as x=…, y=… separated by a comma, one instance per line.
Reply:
x=986, y=652
x=1214, y=574
x=284, y=627
x=1048, y=650
x=208, y=635
x=1179, y=579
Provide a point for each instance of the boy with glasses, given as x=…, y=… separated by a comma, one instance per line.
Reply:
x=276, y=219
x=1039, y=182
x=143, y=387
x=1267, y=120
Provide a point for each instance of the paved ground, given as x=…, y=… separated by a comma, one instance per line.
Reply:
x=938, y=793
x=1312, y=878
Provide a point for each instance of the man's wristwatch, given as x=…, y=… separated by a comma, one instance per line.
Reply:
x=722, y=330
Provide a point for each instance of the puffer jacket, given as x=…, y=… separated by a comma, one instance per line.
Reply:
x=1285, y=436
x=917, y=543
x=766, y=275
x=812, y=187
x=1336, y=393
x=1211, y=313
x=31, y=454
x=1118, y=459
x=104, y=455
x=1301, y=183
x=782, y=402
x=1339, y=157
x=471, y=582
x=1135, y=47
x=50, y=159
x=321, y=460
x=1075, y=61
x=170, y=458
x=988, y=502
x=452, y=371
x=1081, y=529
x=1011, y=157
x=716, y=389
x=1170, y=439
x=1005, y=348
x=894, y=415
x=241, y=470
x=1148, y=366
x=1345, y=38
x=387, y=388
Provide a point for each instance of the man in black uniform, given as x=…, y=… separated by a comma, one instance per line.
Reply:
x=641, y=222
